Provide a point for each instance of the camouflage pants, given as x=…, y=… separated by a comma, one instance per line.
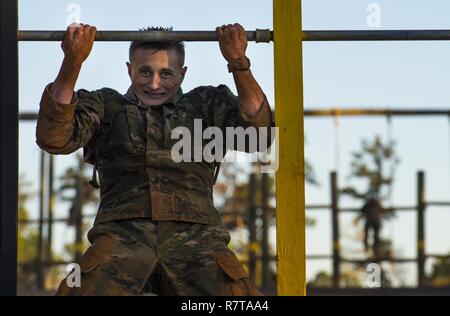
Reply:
x=138, y=256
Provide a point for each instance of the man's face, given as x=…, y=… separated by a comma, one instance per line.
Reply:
x=155, y=75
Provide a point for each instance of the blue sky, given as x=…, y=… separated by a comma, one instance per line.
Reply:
x=364, y=74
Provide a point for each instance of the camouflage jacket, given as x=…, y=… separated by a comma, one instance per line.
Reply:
x=130, y=145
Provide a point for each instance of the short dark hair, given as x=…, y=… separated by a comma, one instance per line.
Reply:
x=177, y=45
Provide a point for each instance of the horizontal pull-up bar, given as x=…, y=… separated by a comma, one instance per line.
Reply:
x=256, y=36
x=388, y=35
x=188, y=36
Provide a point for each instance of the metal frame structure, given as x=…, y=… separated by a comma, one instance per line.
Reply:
x=288, y=36
x=262, y=212
x=9, y=94
x=44, y=259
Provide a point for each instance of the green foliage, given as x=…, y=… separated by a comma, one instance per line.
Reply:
x=310, y=174
x=375, y=165
x=75, y=188
x=372, y=169
x=27, y=238
x=349, y=279
x=440, y=273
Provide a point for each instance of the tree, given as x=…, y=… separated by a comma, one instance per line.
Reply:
x=75, y=188
x=27, y=238
x=374, y=165
x=232, y=195
x=350, y=278
x=440, y=272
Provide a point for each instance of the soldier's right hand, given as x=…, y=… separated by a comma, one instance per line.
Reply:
x=78, y=42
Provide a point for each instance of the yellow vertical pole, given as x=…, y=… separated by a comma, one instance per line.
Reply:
x=291, y=269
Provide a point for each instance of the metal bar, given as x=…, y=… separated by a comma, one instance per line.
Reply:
x=318, y=257
x=265, y=230
x=421, y=228
x=386, y=35
x=45, y=221
x=351, y=209
x=252, y=225
x=436, y=256
x=382, y=291
x=309, y=257
x=322, y=257
x=51, y=204
x=438, y=203
x=375, y=112
x=387, y=259
x=55, y=220
x=354, y=209
x=157, y=36
x=40, y=241
x=78, y=210
x=235, y=213
x=28, y=116
x=257, y=36
x=231, y=213
x=398, y=260
x=325, y=207
x=271, y=258
x=9, y=105
x=44, y=263
x=32, y=116
x=402, y=208
x=335, y=229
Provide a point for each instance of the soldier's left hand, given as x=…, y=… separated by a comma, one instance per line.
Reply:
x=232, y=41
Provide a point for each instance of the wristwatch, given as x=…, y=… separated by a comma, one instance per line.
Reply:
x=240, y=64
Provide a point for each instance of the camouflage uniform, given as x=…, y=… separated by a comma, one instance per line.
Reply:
x=156, y=224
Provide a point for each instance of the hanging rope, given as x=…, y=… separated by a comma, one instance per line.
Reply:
x=448, y=141
x=390, y=142
x=336, y=141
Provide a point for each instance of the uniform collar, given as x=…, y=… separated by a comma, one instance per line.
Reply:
x=130, y=96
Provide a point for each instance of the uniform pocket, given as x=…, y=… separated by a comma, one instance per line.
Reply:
x=238, y=278
x=117, y=139
x=125, y=134
x=100, y=250
x=89, y=262
x=136, y=128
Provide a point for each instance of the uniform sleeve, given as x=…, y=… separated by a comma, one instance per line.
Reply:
x=64, y=128
x=228, y=113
